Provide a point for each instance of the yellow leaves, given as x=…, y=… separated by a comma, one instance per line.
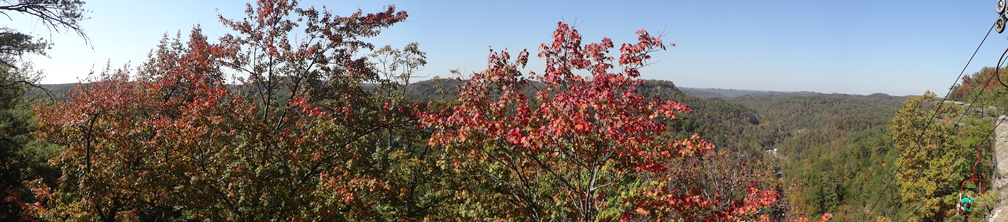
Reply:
x=931, y=151
x=882, y=219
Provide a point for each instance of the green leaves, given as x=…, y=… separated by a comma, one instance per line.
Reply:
x=937, y=147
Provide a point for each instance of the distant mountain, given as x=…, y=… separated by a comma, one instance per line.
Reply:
x=57, y=91
x=732, y=93
x=430, y=90
x=726, y=93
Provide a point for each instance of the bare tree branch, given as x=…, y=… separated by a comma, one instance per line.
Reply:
x=58, y=15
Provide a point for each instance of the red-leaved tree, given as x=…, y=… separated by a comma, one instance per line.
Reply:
x=301, y=137
x=585, y=146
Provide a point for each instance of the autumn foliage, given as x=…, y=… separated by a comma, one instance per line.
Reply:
x=263, y=126
x=175, y=140
x=586, y=146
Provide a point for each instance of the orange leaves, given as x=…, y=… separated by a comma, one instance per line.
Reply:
x=756, y=199
x=298, y=141
x=305, y=108
x=131, y=140
x=825, y=217
x=692, y=146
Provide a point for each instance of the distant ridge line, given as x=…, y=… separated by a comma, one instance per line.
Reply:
x=733, y=93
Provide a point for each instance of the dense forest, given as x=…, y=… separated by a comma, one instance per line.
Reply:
x=832, y=153
x=294, y=116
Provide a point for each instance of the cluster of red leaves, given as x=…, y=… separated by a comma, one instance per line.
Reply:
x=690, y=206
x=985, y=79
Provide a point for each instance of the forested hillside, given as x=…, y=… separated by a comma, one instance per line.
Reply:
x=788, y=115
x=728, y=93
x=833, y=150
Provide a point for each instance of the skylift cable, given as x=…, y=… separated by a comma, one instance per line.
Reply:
x=989, y=134
x=898, y=166
x=966, y=110
x=950, y=172
x=931, y=120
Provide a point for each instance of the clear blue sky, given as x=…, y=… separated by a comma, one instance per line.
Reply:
x=859, y=47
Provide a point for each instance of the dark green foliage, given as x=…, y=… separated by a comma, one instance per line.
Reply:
x=57, y=91
x=833, y=150
x=721, y=122
x=57, y=15
x=21, y=159
x=842, y=174
x=433, y=90
x=798, y=111
x=14, y=126
x=14, y=44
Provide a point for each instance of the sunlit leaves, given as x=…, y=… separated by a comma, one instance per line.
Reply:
x=571, y=149
x=175, y=139
x=937, y=149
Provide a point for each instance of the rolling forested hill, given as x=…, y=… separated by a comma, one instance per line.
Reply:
x=838, y=153
x=728, y=93
x=834, y=150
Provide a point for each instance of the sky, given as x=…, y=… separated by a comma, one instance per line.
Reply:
x=853, y=47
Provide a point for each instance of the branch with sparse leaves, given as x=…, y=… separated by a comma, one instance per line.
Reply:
x=59, y=15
